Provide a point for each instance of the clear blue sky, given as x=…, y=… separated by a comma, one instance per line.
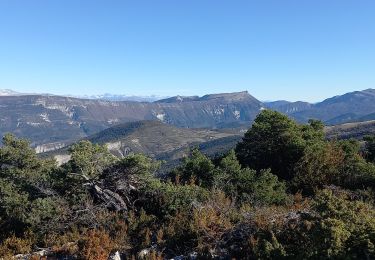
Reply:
x=278, y=49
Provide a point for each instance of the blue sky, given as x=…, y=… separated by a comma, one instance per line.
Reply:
x=280, y=49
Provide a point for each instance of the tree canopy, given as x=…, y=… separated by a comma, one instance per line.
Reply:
x=276, y=142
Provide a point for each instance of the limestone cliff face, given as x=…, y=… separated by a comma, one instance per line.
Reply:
x=49, y=121
x=43, y=148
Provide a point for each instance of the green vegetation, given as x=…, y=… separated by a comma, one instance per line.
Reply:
x=283, y=192
x=370, y=148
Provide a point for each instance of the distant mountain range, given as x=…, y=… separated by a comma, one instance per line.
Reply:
x=350, y=107
x=8, y=92
x=106, y=96
x=52, y=122
x=114, y=97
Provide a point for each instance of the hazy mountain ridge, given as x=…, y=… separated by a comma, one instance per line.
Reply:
x=119, y=97
x=354, y=105
x=105, y=96
x=350, y=107
x=287, y=107
x=8, y=92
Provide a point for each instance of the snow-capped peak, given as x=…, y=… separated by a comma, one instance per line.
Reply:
x=8, y=92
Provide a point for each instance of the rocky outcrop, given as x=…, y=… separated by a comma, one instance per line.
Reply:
x=49, y=147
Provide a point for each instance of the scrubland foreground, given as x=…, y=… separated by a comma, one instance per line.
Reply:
x=283, y=192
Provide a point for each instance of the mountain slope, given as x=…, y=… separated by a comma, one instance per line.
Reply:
x=153, y=138
x=287, y=107
x=159, y=140
x=355, y=130
x=344, y=108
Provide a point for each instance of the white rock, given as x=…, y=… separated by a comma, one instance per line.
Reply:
x=115, y=256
